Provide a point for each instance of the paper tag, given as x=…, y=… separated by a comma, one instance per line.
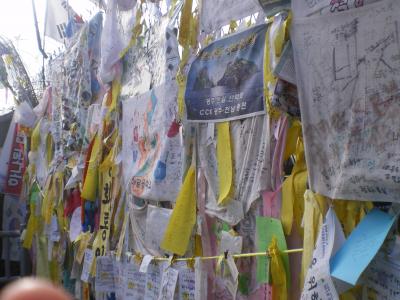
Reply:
x=135, y=284
x=145, y=263
x=105, y=276
x=87, y=262
x=186, y=284
x=119, y=279
x=153, y=281
x=200, y=290
x=75, y=227
x=168, y=284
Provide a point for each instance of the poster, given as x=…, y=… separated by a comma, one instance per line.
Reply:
x=152, y=144
x=225, y=81
x=348, y=68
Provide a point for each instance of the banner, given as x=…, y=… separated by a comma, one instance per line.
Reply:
x=103, y=234
x=152, y=145
x=225, y=81
x=16, y=164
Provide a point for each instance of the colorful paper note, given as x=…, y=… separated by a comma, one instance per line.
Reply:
x=362, y=245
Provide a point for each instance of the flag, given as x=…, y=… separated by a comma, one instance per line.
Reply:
x=57, y=16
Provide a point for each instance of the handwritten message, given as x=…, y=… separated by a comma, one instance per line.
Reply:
x=348, y=68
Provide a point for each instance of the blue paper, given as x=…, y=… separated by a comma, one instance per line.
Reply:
x=361, y=246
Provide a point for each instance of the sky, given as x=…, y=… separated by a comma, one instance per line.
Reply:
x=17, y=24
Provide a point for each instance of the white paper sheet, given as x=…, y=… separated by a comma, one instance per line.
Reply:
x=318, y=283
x=348, y=72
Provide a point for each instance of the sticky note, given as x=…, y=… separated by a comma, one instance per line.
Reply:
x=267, y=228
x=361, y=246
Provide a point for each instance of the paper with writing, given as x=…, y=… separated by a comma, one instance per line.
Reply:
x=383, y=276
x=120, y=278
x=105, y=274
x=87, y=263
x=186, y=284
x=168, y=284
x=153, y=281
x=251, y=164
x=200, y=290
x=318, y=282
x=304, y=8
x=361, y=246
x=135, y=283
x=348, y=71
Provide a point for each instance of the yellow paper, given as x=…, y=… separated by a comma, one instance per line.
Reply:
x=183, y=218
x=224, y=159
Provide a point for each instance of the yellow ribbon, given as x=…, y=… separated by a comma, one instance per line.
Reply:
x=35, y=138
x=277, y=271
x=315, y=208
x=183, y=218
x=293, y=189
x=31, y=227
x=224, y=159
x=89, y=189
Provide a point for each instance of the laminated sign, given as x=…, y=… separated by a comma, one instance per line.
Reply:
x=225, y=81
x=348, y=68
x=152, y=144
